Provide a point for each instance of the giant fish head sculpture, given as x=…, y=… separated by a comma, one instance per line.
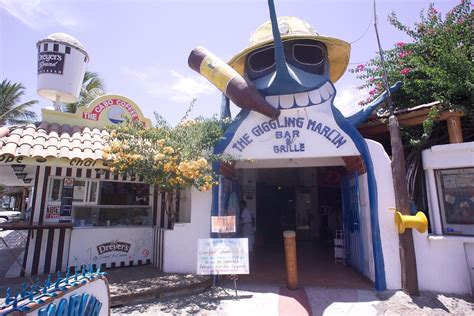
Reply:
x=292, y=65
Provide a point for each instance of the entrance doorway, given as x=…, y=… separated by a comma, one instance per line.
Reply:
x=309, y=201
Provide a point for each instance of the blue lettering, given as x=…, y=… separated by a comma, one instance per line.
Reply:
x=341, y=141
x=290, y=121
x=96, y=309
x=311, y=125
x=90, y=306
x=74, y=305
x=325, y=131
x=257, y=130
x=48, y=311
x=300, y=122
x=62, y=308
x=82, y=308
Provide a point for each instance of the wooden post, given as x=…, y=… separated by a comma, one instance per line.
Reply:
x=407, y=248
x=454, y=129
x=289, y=237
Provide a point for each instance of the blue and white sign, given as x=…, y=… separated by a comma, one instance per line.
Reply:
x=297, y=133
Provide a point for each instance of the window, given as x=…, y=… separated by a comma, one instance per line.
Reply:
x=85, y=191
x=55, y=190
x=123, y=193
x=456, y=199
x=105, y=203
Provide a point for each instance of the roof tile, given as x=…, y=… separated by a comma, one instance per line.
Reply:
x=53, y=140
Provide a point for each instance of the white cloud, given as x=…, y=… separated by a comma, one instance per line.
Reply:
x=348, y=98
x=179, y=88
x=39, y=14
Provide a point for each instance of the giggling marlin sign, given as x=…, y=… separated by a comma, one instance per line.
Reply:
x=286, y=134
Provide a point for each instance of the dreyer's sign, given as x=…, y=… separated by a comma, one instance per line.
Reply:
x=51, y=62
x=113, y=246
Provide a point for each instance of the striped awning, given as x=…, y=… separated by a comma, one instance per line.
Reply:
x=45, y=140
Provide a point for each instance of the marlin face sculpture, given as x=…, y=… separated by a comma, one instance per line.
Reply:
x=292, y=66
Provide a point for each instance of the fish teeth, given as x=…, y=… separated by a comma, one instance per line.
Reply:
x=273, y=100
x=330, y=89
x=302, y=99
x=287, y=101
x=324, y=93
x=315, y=96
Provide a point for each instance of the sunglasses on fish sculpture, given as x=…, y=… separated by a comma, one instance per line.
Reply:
x=308, y=55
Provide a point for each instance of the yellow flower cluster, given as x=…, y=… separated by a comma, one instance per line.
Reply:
x=167, y=161
x=187, y=123
x=192, y=169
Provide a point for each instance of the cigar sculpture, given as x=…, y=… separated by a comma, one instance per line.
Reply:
x=242, y=92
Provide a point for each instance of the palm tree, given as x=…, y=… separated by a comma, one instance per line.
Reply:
x=11, y=110
x=92, y=87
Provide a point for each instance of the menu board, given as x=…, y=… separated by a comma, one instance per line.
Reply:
x=223, y=224
x=66, y=200
x=223, y=256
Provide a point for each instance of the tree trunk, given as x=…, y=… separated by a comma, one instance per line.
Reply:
x=407, y=248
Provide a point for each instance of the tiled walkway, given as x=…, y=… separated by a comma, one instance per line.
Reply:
x=316, y=267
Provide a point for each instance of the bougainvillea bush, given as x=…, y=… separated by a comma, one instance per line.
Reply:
x=435, y=66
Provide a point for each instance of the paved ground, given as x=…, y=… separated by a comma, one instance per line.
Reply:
x=16, y=241
x=274, y=300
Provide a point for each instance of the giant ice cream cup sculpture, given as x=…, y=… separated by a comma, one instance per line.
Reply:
x=293, y=69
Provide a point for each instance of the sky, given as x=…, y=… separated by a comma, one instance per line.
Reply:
x=140, y=48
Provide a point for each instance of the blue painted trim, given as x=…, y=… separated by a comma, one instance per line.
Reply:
x=225, y=107
x=361, y=145
x=215, y=196
x=230, y=132
x=362, y=116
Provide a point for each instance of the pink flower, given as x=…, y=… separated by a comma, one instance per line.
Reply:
x=405, y=71
x=405, y=54
x=400, y=44
x=360, y=67
x=372, y=92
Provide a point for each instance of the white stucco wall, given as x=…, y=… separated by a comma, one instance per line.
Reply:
x=441, y=263
x=386, y=200
x=180, y=244
x=441, y=260
x=366, y=229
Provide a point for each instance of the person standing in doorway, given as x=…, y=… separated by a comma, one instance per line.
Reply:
x=247, y=222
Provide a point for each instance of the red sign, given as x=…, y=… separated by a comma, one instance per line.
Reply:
x=99, y=108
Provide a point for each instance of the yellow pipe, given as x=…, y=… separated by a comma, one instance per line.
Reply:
x=418, y=221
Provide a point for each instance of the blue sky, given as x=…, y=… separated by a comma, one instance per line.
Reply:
x=140, y=48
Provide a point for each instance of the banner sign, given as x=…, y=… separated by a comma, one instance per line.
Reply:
x=223, y=224
x=119, y=245
x=223, y=256
x=51, y=62
x=52, y=211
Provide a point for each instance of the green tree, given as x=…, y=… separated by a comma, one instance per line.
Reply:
x=12, y=111
x=435, y=66
x=92, y=87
